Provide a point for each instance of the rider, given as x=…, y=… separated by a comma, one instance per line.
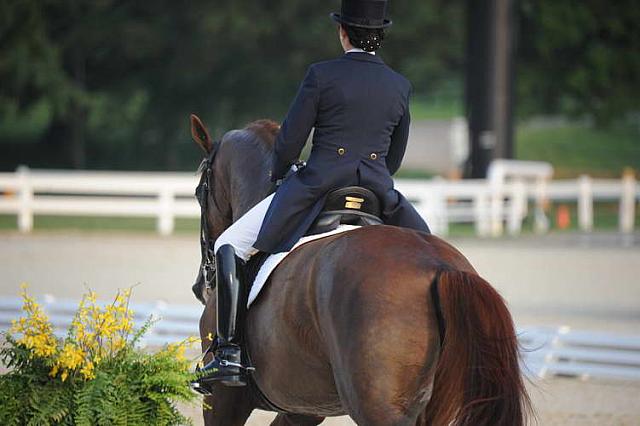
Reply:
x=359, y=108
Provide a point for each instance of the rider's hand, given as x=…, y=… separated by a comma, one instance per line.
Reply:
x=297, y=166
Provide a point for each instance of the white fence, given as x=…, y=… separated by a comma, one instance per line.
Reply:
x=565, y=352
x=490, y=204
x=546, y=351
x=165, y=196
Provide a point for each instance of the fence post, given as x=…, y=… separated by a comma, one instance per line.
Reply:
x=540, y=219
x=627, y=211
x=482, y=214
x=496, y=209
x=585, y=203
x=517, y=207
x=443, y=214
x=434, y=210
x=25, y=211
x=166, y=221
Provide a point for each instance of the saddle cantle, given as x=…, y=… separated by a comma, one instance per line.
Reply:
x=352, y=205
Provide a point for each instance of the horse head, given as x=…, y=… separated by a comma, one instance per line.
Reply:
x=234, y=177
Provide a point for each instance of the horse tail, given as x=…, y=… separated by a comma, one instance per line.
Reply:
x=478, y=379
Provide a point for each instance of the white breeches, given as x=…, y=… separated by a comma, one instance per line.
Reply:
x=242, y=234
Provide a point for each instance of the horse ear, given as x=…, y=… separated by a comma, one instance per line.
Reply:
x=200, y=134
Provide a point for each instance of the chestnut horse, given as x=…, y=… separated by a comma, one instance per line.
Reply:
x=387, y=325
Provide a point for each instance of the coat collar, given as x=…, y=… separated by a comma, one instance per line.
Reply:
x=363, y=56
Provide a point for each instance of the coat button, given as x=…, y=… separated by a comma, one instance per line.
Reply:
x=373, y=156
x=341, y=151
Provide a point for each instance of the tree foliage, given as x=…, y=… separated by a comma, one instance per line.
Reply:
x=110, y=83
x=580, y=58
x=119, y=78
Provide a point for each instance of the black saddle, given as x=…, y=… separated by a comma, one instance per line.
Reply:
x=352, y=205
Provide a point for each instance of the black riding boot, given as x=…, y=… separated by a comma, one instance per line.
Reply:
x=226, y=366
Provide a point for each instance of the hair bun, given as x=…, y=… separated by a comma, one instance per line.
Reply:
x=367, y=39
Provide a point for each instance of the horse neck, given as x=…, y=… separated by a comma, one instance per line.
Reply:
x=249, y=180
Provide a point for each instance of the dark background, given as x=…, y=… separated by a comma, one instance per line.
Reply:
x=106, y=84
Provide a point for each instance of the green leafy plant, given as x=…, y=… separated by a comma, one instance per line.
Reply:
x=96, y=375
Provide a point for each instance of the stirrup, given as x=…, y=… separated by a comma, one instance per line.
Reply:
x=204, y=385
x=227, y=372
x=226, y=363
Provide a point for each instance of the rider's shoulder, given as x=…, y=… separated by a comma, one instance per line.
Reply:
x=332, y=66
x=325, y=65
x=322, y=68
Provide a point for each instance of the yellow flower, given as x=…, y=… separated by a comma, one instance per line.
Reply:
x=54, y=371
x=88, y=370
x=180, y=353
x=36, y=331
x=178, y=349
x=96, y=333
x=118, y=344
x=71, y=357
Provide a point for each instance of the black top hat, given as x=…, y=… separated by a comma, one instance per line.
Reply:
x=363, y=13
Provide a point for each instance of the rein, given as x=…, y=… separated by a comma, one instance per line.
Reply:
x=207, y=247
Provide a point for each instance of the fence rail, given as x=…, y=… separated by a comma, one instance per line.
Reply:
x=548, y=351
x=491, y=204
x=565, y=352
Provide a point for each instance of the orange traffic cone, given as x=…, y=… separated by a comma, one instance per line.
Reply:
x=563, y=217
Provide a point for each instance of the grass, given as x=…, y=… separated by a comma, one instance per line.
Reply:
x=574, y=149
x=413, y=174
x=439, y=109
x=605, y=216
x=102, y=224
x=605, y=219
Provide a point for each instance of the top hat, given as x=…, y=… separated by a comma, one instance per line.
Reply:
x=363, y=13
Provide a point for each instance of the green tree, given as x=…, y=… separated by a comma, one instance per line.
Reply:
x=58, y=54
x=125, y=75
x=579, y=58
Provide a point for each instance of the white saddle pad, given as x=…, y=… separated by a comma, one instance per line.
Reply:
x=274, y=260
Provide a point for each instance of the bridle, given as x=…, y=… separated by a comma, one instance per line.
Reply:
x=207, y=249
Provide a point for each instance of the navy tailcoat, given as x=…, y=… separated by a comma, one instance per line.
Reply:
x=359, y=108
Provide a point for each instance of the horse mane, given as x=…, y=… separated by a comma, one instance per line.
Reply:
x=245, y=152
x=266, y=130
x=262, y=132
